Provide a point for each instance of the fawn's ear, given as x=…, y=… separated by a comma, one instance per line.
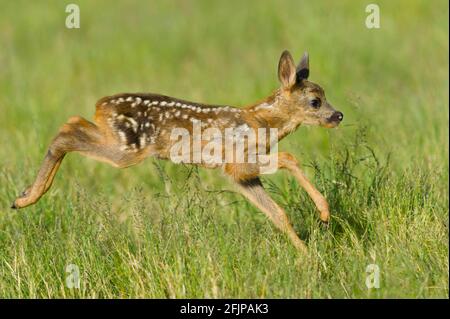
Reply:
x=303, y=68
x=286, y=70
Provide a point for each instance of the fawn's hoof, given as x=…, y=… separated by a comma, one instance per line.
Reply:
x=22, y=200
x=16, y=203
x=300, y=245
x=302, y=248
x=325, y=216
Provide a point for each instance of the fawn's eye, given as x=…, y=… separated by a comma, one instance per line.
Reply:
x=315, y=103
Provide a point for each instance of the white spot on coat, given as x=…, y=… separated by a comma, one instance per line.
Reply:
x=133, y=123
x=123, y=137
x=264, y=106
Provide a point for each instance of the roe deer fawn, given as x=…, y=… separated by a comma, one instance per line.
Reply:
x=131, y=127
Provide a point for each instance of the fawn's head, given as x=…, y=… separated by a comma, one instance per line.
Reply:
x=303, y=100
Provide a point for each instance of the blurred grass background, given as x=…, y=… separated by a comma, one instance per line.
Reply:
x=161, y=230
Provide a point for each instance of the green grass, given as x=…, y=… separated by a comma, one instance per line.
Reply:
x=162, y=230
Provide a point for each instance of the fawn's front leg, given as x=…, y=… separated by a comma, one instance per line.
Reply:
x=289, y=162
x=254, y=191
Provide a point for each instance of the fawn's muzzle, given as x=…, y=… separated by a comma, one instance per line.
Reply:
x=336, y=117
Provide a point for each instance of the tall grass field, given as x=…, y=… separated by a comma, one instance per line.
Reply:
x=160, y=230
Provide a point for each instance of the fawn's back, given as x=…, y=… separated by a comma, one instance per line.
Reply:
x=140, y=122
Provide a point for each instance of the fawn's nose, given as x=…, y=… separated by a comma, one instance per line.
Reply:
x=337, y=117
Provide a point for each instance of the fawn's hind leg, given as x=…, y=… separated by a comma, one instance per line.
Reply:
x=77, y=135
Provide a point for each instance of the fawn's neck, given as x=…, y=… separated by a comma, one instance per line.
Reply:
x=271, y=113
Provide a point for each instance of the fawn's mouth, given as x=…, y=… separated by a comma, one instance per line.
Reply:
x=334, y=120
x=330, y=124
